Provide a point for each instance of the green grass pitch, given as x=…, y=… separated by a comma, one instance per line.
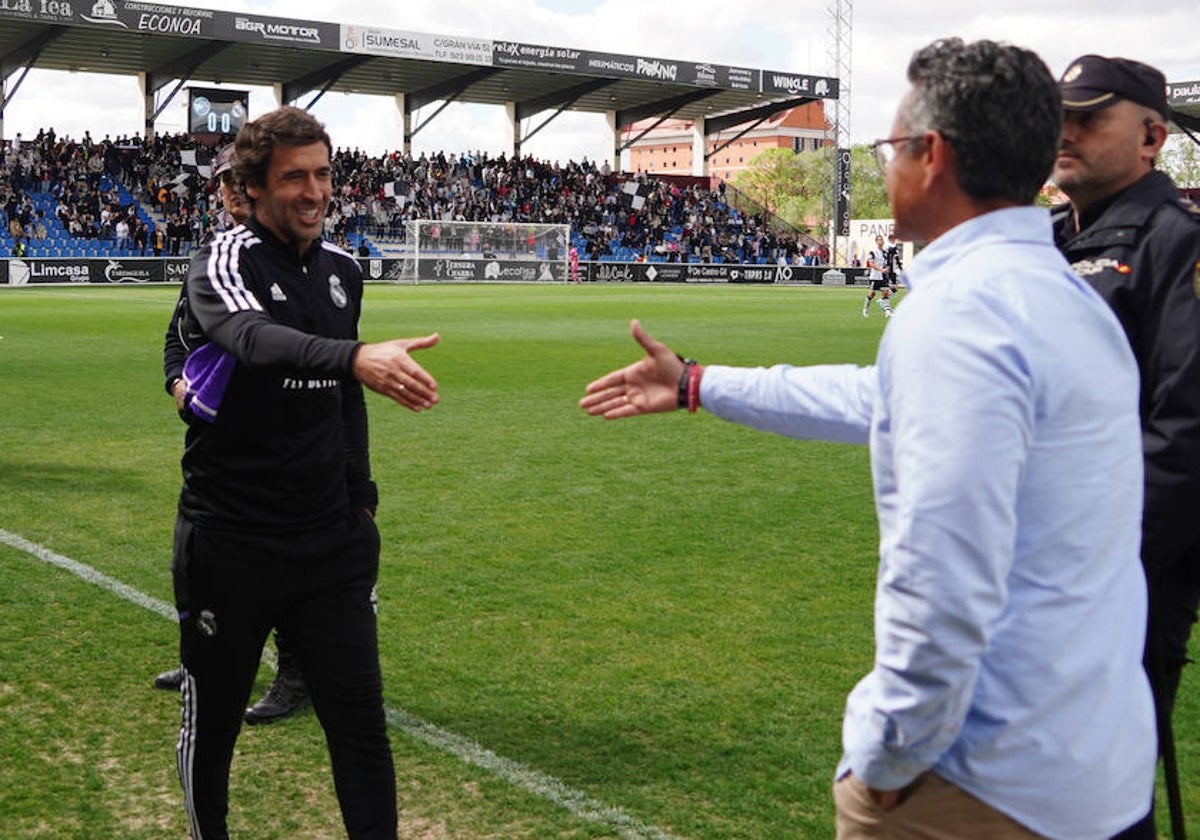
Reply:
x=589, y=629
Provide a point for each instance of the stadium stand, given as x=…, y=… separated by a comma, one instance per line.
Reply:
x=128, y=197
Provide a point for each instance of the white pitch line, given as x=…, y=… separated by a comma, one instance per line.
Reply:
x=513, y=772
x=90, y=575
x=526, y=778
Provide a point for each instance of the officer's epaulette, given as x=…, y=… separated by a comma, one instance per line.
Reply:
x=1190, y=207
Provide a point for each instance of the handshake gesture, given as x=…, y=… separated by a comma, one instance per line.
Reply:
x=388, y=368
x=647, y=386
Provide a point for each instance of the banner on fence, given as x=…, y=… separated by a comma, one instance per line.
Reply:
x=21, y=272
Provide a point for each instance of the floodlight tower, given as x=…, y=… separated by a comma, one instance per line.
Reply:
x=838, y=47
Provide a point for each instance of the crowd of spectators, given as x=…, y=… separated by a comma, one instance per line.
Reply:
x=673, y=221
x=97, y=190
x=100, y=189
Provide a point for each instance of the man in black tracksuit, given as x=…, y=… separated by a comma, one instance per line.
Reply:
x=275, y=525
x=1128, y=232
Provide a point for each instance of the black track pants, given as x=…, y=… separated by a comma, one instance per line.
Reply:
x=316, y=587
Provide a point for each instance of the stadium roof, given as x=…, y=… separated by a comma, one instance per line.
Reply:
x=308, y=58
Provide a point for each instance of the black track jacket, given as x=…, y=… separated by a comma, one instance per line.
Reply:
x=289, y=448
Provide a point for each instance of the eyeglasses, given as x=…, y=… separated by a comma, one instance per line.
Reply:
x=885, y=149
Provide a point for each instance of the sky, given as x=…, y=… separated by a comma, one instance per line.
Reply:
x=784, y=35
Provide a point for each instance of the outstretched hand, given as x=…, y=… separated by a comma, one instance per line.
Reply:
x=388, y=368
x=647, y=386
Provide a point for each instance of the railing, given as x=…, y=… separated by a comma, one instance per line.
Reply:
x=748, y=205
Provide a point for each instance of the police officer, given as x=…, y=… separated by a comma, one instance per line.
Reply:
x=287, y=693
x=275, y=526
x=1128, y=232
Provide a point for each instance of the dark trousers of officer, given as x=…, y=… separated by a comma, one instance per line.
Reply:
x=317, y=587
x=1174, y=594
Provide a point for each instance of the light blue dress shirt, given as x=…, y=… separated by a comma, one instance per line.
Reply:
x=1010, y=607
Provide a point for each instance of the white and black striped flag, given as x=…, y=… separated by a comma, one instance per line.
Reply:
x=196, y=162
x=397, y=190
x=634, y=194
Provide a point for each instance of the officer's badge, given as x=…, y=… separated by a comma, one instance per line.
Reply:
x=1196, y=280
x=336, y=293
x=1090, y=268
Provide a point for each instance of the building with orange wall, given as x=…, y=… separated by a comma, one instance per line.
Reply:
x=666, y=149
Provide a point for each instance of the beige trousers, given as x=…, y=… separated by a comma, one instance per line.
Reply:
x=930, y=809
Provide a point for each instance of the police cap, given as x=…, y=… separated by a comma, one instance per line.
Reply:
x=1092, y=82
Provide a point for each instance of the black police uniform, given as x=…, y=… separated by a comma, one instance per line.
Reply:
x=275, y=526
x=1141, y=251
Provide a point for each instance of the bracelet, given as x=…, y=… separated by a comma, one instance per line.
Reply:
x=688, y=364
x=693, y=387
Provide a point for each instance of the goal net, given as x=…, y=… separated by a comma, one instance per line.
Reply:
x=484, y=252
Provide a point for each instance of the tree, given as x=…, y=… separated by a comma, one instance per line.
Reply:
x=1180, y=159
x=772, y=178
x=868, y=193
x=796, y=186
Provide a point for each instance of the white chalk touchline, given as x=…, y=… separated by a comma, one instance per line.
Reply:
x=513, y=772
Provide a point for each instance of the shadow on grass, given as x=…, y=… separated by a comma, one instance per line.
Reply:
x=58, y=477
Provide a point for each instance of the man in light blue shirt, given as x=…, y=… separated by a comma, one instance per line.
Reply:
x=1007, y=697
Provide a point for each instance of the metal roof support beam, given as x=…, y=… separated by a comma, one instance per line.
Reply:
x=678, y=103
x=1187, y=124
x=564, y=99
x=547, y=122
x=324, y=78
x=647, y=130
x=449, y=90
x=324, y=90
x=158, y=110
x=663, y=106
x=180, y=69
x=445, y=104
x=722, y=146
x=25, y=56
x=28, y=52
x=183, y=67
x=720, y=123
x=9, y=94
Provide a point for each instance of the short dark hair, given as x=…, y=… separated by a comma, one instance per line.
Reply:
x=257, y=139
x=998, y=107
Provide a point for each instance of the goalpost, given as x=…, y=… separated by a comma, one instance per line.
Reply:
x=484, y=252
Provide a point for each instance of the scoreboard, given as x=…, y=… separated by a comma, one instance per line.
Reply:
x=216, y=110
